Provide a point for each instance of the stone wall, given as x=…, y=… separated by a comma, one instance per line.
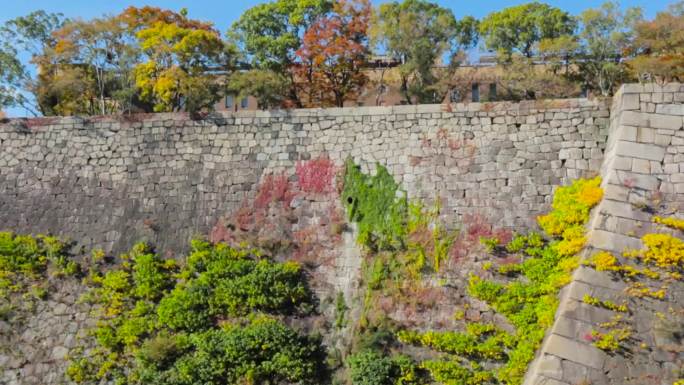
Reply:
x=643, y=175
x=109, y=182
x=34, y=345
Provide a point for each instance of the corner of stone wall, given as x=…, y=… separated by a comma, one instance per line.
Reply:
x=643, y=160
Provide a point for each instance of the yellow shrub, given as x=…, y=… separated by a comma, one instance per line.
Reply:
x=671, y=222
x=573, y=241
x=569, y=265
x=639, y=290
x=571, y=205
x=605, y=261
x=663, y=250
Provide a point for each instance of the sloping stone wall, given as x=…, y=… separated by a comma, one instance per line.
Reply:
x=109, y=182
x=643, y=175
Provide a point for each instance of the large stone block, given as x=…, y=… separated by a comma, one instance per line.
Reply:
x=612, y=242
x=643, y=119
x=574, y=351
x=640, y=150
x=670, y=109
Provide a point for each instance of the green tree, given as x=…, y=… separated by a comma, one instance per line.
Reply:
x=520, y=28
x=268, y=87
x=269, y=35
x=606, y=34
x=264, y=351
x=12, y=77
x=522, y=79
x=419, y=34
x=31, y=34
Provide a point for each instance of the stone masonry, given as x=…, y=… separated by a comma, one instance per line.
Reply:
x=112, y=181
x=643, y=175
x=163, y=178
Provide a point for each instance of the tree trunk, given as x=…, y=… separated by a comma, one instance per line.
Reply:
x=404, y=89
x=381, y=87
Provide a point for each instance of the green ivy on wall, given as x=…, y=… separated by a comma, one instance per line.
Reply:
x=526, y=293
x=377, y=205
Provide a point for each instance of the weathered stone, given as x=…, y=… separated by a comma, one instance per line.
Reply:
x=641, y=166
x=550, y=366
x=640, y=150
x=110, y=183
x=574, y=351
x=670, y=109
x=611, y=241
x=666, y=121
x=572, y=328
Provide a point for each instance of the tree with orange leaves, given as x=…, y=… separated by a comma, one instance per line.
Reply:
x=659, y=44
x=135, y=19
x=333, y=52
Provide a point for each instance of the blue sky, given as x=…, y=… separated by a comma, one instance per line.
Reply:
x=223, y=13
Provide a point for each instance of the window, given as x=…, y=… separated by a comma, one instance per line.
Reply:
x=585, y=92
x=230, y=100
x=492, y=91
x=244, y=102
x=455, y=96
x=475, y=92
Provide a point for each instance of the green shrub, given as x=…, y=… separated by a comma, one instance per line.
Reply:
x=262, y=351
x=368, y=367
x=340, y=311
x=454, y=373
x=162, y=350
x=150, y=273
x=193, y=324
x=24, y=262
x=186, y=308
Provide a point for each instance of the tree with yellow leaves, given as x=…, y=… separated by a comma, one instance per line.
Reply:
x=179, y=73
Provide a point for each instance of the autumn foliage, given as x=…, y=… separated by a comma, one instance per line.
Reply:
x=660, y=47
x=316, y=175
x=333, y=54
x=301, y=220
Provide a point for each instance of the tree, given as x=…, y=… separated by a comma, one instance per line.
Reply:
x=522, y=79
x=333, y=53
x=659, y=46
x=99, y=46
x=269, y=35
x=268, y=87
x=558, y=53
x=32, y=34
x=520, y=28
x=178, y=71
x=606, y=34
x=12, y=77
x=136, y=19
x=419, y=34
x=66, y=89
x=89, y=66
